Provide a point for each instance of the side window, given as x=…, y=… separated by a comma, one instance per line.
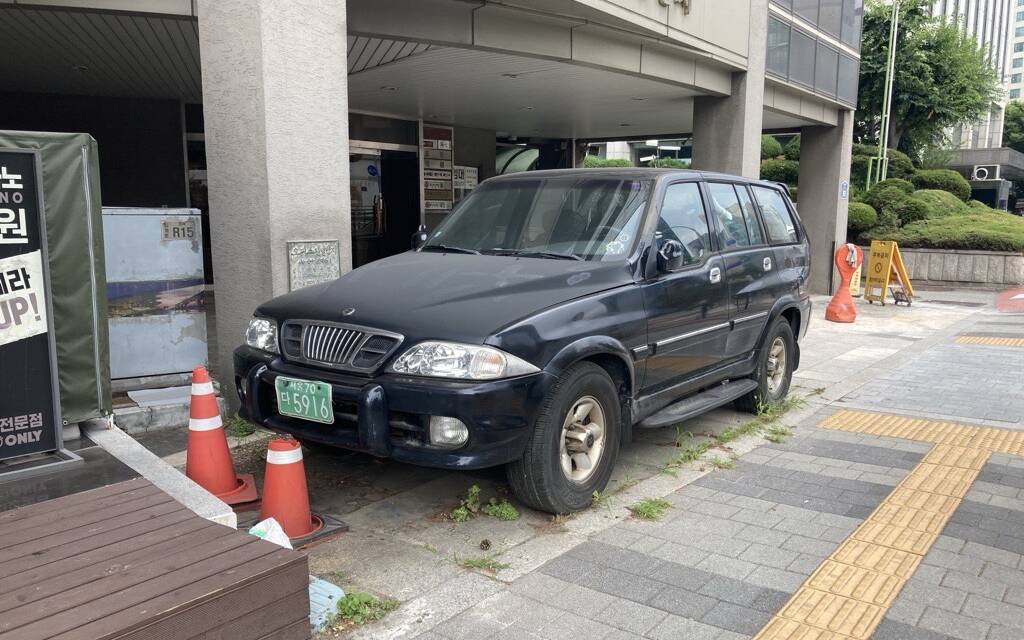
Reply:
x=732, y=230
x=750, y=216
x=777, y=220
x=683, y=219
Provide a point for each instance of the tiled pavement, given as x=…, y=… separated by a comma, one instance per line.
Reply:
x=762, y=549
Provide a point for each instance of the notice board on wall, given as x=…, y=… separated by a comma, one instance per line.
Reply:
x=30, y=418
x=437, y=152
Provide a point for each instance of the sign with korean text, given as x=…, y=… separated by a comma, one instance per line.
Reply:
x=885, y=273
x=313, y=262
x=437, y=161
x=29, y=411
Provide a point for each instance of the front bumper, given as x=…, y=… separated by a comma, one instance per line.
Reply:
x=387, y=415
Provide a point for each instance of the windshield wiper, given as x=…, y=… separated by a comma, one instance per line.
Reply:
x=537, y=254
x=444, y=247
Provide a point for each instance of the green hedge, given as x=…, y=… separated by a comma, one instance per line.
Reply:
x=594, y=162
x=886, y=199
x=944, y=179
x=670, y=163
x=912, y=210
x=770, y=147
x=942, y=203
x=786, y=171
x=995, y=231
x=861, y=217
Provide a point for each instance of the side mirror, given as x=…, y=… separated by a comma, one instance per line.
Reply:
x=670, y=255
x=419, y=237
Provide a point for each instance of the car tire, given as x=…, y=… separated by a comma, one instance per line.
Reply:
x=540, y=478
x=772, y=383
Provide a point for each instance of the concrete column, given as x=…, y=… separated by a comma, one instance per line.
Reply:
x=618, y=151
x=275, y=103
x=824, y=167
x=727, y=131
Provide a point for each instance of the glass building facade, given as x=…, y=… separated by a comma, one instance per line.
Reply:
x=815, y=45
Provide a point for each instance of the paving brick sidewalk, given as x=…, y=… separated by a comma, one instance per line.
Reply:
x=942, y=555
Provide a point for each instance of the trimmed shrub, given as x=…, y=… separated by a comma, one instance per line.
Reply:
x=996, y=231
x=861, y=217
x=770, y=147
x=884, y=195
x=780, y=171
x=913, y=210
x=594, y=162
x=670, y=163
x=792, y=150
x=944, y=179
x=900, y=165
x=905, y=186
x=792, y=193
x=942, y=203
x=974, y=206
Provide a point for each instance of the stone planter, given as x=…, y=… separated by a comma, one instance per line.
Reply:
x=956, y=266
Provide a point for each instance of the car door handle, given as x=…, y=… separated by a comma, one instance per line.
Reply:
x=716, y=275
x=767, y=264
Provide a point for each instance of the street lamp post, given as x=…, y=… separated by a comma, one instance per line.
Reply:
x=878, y=167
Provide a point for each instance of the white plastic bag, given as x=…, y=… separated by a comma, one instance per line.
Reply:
x=271, y=531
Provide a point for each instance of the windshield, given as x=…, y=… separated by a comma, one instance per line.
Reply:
x=567, y=217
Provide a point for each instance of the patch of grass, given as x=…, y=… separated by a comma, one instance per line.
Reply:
x=649, y=508
x=501, y=510
x=777, y=434
x=682, y=436
x=598, y=499
x=772, y=412
x=720, y=463
x=359, y=608
x=488, y=563
x=738, y=431
x=468, y=507
x=239, y=427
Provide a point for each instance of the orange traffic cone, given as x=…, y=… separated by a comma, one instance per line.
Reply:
x=207, y=460
x=285, y=496
x=841, y=307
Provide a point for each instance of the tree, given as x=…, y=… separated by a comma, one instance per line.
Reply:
x=1013, y=126
x=942, y=78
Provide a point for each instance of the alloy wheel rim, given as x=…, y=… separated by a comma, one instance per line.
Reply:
x=582, y=442
x=776, y=365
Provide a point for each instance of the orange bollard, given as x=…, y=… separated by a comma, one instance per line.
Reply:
x=207, y=459
x=285, y=495
x=841, y=308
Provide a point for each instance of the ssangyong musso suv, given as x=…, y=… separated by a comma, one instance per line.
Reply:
x=546, y=318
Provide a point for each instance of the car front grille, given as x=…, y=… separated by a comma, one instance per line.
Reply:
x=338, y=346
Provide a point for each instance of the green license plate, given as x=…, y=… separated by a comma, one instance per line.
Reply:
x=304, y=399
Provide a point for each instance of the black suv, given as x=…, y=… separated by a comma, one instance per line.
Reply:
x=546, y=318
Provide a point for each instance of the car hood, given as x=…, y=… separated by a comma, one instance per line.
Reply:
x=447, y=296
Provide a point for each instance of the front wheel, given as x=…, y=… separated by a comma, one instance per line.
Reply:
x=574, y=444
x=774, y=369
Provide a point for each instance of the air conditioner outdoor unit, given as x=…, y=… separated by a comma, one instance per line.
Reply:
x=985, y=172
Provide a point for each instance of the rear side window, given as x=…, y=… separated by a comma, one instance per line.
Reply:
x=777, y=219
x=732, y=230
x=683, y=219
x=750, y=216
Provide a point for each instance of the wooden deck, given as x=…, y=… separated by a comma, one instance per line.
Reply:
x=129, y=562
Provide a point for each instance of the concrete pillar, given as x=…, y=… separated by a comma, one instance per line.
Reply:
x=727, y=131
x=275, y=103
x=618, y=151
x=824, y=168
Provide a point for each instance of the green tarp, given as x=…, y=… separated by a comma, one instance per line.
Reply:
x=74, y=237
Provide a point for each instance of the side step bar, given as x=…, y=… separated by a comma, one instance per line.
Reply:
x=697, y=404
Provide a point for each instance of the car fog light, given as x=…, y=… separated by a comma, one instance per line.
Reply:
x=447, y=432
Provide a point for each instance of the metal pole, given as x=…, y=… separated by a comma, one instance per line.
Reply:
x=878, y=169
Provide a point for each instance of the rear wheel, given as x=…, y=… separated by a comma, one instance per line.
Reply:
x=774, y=369
x=574, y=444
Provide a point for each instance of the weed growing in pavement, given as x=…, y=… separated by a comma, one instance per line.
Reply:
x=359, y=608
x=682, y=436
x=239, y=427
x=772, y=412
x=598, y=499
x=649, y=508
x=468, y=507
x=488, y=563
x=818, y=391
x=501, y=510
x=720, y=463
x=777, y=434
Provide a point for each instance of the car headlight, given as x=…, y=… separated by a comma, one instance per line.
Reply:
x=462, y=361
x=262, y=334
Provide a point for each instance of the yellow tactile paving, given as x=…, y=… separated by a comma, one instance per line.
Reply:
x=848, y=594
x=992, y=341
